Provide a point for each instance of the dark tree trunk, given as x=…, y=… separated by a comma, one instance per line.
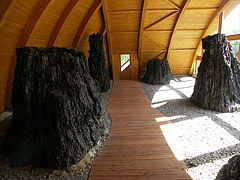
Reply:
x=56, y=109
x=231, y=170
x=217, y=85
x=158, y=72
x=97, y=62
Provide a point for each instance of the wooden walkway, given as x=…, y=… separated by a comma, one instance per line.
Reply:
x=136, y=148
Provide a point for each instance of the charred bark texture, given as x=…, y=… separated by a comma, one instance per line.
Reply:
x=217, y=85
x=56, y=109
x=97, y=62
x=158, y=72
x=231, y=170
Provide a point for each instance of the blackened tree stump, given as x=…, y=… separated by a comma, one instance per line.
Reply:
x=97, y=62
x=231, y=170
x=56, y=109
x=158, y=72
x=217, y=85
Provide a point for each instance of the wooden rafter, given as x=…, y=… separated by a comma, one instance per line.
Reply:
x=162, y=19
x=103, y=30
x=221, y=17
x=95, y=7
x=155, y=41
x=61, y=21
x=182, y=11
x=4, y=6
x=224, y=4
x=233, y=37
x=144, y=7
x=22, y=41
x=174, y=4
x=160, y=54
x=106, y=20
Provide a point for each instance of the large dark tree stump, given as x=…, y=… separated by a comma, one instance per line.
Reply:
x=158, y=72
x=97, y=62
x=231, y=170
x=56, y=109
x=217, y=85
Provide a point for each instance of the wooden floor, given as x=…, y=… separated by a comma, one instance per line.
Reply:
x=136, y=148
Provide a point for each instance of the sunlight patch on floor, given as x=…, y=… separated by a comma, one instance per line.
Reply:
x=231, y=118
x=162, y=119
x=197, y=136
x=175, y=90
x=208, y=170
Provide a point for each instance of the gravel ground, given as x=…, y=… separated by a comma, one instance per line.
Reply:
x=204, y=139
x=78, y=171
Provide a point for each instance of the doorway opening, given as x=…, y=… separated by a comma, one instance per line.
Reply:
x=125, y=62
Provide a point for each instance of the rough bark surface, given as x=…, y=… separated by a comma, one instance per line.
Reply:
x=56, y=109
x=97, y=62
x=217, y=85
x=158, y=72
x=230, y=170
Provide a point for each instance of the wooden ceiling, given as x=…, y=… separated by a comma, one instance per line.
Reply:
x=149, y=28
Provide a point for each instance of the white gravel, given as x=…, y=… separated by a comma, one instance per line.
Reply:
x=204, y=139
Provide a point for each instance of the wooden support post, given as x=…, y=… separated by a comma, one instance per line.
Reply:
x=221, y=17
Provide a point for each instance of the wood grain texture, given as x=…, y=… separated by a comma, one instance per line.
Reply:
x=183, y=9
x=26, y=32
x=211, y=21
x=67, y=11
x=106, y=20
x=95, y=7
x=136, y=148
x=144, y=7
x=4, y=5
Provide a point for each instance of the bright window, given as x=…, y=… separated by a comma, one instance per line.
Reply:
x=125, y=61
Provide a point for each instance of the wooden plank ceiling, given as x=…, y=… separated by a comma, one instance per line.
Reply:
x=150, y=28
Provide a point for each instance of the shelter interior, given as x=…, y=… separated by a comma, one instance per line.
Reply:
x=134, y=31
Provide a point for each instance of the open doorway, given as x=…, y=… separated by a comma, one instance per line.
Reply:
x=125, y=61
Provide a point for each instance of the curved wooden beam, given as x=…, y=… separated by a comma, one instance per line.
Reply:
x=182, y=11
x=61, y=21
x=4, y=5
x=22, y=41
x=95, y=7
x=224, y=4
x=103, y=30
x=144, y=7
x=105, y=16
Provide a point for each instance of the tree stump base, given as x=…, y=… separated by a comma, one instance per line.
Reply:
x=56, y=109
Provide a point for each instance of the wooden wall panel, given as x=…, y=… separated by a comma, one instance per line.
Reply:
x=161, y=40
x=204, y=4
x=148, y=55
x=160, y=4
x=118, y=23
x=155, y=15
x=134, y=65
x=124, y=42
x=116, y=66
x=179, y=71
x=69, y=29
x=195, y=19
x=46, y=24
x=10, y=30
x=181, y=58
x=186, y=39
x=123, y=5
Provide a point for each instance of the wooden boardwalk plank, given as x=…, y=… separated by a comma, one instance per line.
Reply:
x=136, y=148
